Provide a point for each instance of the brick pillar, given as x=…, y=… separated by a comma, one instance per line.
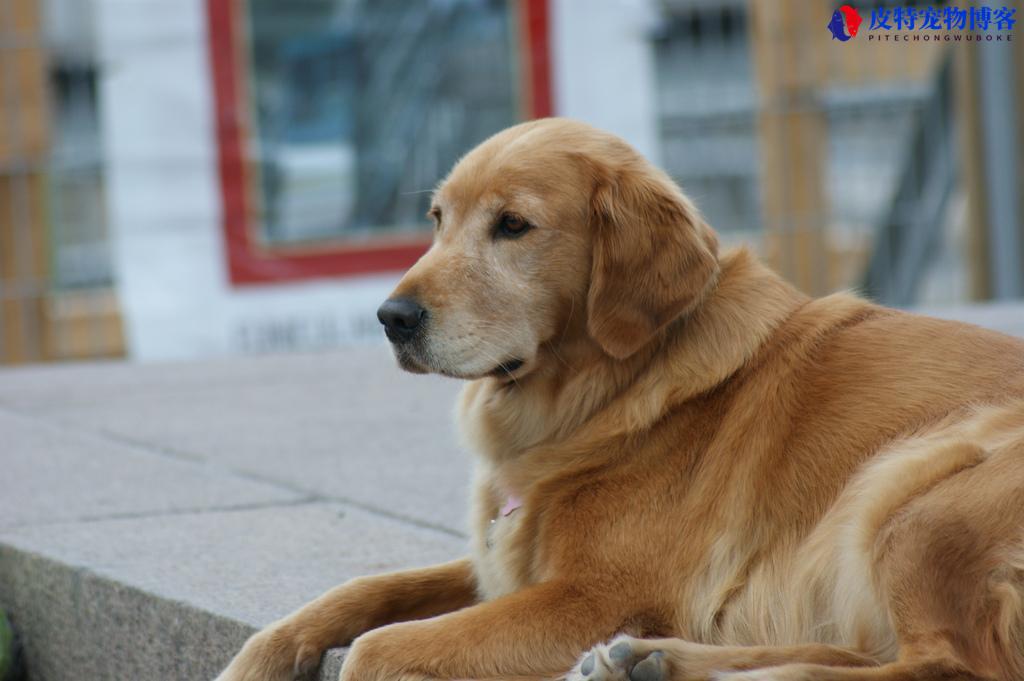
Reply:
x=24, y=146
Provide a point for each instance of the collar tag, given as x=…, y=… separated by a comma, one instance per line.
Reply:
x=511, y=504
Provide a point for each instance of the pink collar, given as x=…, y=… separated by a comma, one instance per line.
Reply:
x=511, y=504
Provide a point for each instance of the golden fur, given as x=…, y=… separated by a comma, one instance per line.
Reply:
x=734, y=479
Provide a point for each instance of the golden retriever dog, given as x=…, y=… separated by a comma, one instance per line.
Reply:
x=686, y=469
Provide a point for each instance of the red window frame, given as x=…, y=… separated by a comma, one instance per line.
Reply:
x=249, y=260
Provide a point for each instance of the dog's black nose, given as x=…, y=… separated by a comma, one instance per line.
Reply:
x=401, y=318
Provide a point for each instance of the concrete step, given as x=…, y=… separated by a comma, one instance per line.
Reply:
x=152, y=517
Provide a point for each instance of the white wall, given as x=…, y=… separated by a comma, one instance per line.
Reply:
x=603, y=68
x=163, y=193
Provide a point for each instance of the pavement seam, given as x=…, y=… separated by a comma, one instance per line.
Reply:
x=136, y=445
x=170, y=512
x=163, y=450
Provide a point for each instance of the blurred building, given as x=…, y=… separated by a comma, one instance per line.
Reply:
x=56, y=295
x=197, y=177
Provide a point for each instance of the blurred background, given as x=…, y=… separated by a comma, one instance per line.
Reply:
x=186, y=178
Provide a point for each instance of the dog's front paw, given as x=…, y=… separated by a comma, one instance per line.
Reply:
x=624, y=658
x=380, y=655
x=273, y=654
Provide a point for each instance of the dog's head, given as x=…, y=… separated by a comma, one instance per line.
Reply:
x=544, y=224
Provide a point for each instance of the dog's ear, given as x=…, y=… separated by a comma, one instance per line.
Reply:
x=654, y=258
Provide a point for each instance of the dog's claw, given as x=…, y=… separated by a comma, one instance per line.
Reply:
x=588, y=665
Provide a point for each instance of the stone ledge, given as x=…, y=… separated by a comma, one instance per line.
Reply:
x=81, y=625
x=78, y=625
x=174, y=597
x=152, y=517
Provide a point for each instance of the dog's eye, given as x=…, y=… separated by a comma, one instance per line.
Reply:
x=511, y=226
x=435, y=215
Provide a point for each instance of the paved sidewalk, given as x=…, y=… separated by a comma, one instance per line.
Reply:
x=151, y=516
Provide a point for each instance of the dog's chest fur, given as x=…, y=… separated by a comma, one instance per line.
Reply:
x=501, y=555
x=720, y=582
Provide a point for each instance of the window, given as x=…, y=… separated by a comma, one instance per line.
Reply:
x=336, y=118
